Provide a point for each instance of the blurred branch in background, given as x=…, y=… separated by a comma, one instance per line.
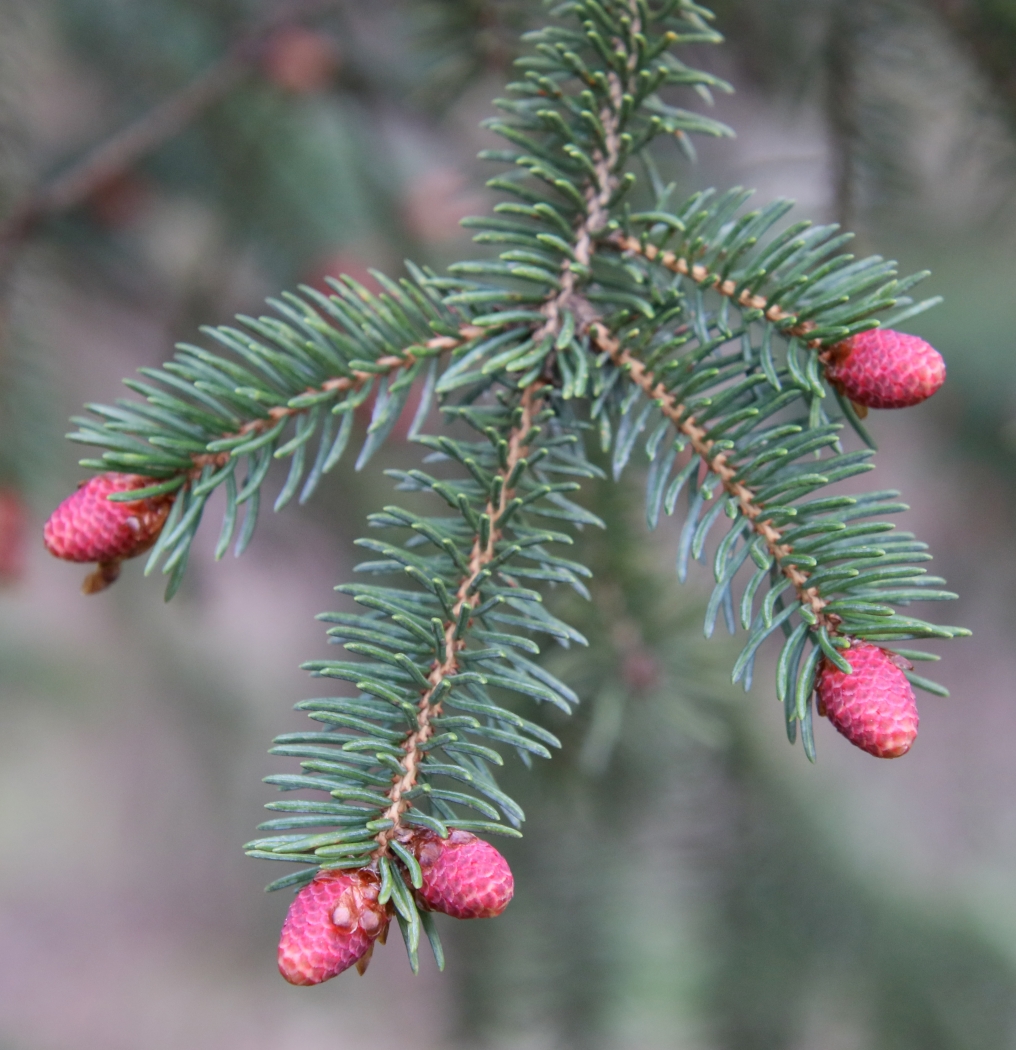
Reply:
x=122, y=151
x=463, y=40
x=887, y=77
x=841, y=106
x=916, y=103
x=119, y=153
x=987, y=28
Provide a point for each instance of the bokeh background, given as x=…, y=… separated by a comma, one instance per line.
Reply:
x=687, y=880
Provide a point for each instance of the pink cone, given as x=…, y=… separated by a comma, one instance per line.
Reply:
x=873, y=706
x=89, y=527
x=463, y=876
x=882, y=368
x=331, y=924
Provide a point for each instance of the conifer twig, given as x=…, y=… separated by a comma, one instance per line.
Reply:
x=351, y=383
x=701, y=275
x=467, y=595
x=598, y=194
x=719, y=464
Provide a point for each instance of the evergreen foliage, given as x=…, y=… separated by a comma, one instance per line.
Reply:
x=693, y=334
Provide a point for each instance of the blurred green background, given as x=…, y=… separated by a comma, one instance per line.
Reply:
x=687, y=880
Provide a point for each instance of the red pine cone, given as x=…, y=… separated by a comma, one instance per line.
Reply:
x=89, y=527
x=463, y=876
x=873, y=706
x=881, y=368
x=332, y=923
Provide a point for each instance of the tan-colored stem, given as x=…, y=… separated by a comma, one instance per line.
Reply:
x=353, y=382
x=701, y=275
x=480, y=556
x=718, y=463
x=568, y=297
x=598, y=194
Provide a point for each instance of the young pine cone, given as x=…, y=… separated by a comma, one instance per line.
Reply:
x=882, y=368
x=89, y=527
x=873, y=706
x=332, y=923
x=463, y=876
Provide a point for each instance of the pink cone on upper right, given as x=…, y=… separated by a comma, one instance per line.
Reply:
x=882, y=368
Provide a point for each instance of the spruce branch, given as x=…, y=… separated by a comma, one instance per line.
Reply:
x=206, y=413
x=718, y=462
x=713, y=337
x=346, y=384
x=431, y=658
x=703, y=277
x=598, y=193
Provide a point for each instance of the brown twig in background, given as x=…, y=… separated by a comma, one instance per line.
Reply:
x=125, y=148
x=118, y=153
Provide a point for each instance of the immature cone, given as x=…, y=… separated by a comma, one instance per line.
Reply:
x=89, y=527
x=881, y=368
x=463, y=876
x=332, y=923
x=873, y=706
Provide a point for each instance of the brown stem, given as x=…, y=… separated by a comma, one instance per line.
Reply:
x=568, y=296
x=718, y=463
x=701, y=275
x=518, y=448
x=355, y=381
x=598, y=195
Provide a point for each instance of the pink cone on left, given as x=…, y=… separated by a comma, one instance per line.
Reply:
x=331, y=925
x=89, y=527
